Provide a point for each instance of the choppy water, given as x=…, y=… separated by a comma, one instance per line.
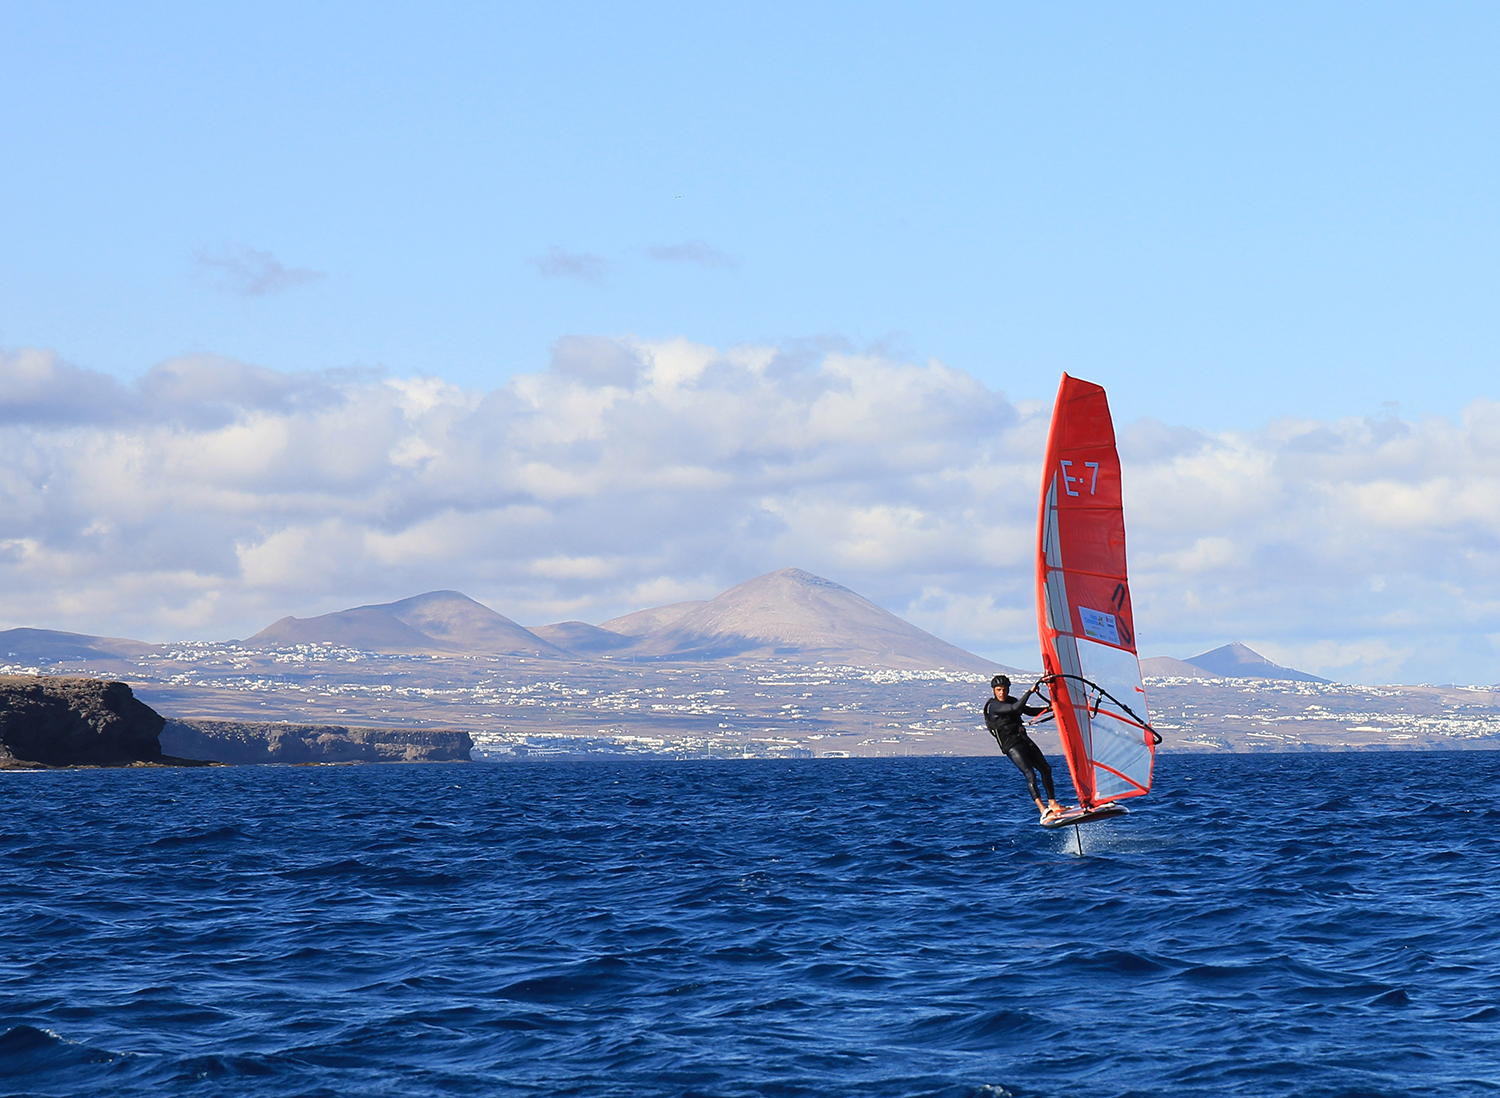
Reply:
x=1308, y=924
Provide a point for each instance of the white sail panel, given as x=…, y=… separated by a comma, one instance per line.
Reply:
x=1117, y=738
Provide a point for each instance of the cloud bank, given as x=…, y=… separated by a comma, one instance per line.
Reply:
x=210, y=497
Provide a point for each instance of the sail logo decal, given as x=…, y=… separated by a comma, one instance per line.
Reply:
x=1069, y=480
x=1099, y=626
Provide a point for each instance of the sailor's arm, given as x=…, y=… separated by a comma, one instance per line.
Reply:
x=1032, y=710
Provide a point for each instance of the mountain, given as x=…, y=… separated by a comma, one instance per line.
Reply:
x=468, y=626
x=580, y=636
x=1165, y=667
x=1232, y=661
x=368, y=627
x=643, y=622
x=439, y=621
x=50, y=646
x=1235, y=661
x=793, y=613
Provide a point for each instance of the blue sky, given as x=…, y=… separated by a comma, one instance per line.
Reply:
x=1225, y=213
x=583, y=308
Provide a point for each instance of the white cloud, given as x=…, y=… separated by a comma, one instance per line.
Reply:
x=211, y=497
x=41, y=389
x=249, y=272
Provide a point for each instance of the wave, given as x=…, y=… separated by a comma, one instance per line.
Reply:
x=897, y=927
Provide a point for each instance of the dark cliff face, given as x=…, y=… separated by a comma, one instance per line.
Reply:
x=56, y=721
x=240, y=742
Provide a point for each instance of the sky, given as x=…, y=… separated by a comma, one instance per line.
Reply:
x=581, y=307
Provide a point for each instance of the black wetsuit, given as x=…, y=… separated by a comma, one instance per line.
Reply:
x=1003, y=718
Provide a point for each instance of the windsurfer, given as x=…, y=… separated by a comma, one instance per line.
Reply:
x=1002, y=716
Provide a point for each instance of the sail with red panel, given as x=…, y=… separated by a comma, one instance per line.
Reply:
x=1083, y=607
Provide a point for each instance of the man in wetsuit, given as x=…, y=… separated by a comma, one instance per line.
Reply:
x=1002, y=715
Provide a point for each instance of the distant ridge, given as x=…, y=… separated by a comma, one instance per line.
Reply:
x=643, y=622
x=580, y=636
x=467, y=626
x=49, y=645
x=1230, y=661
x=792, y=613
x=438, y=621
x=362, y=627
x=1239, y=662
x=1166, y=667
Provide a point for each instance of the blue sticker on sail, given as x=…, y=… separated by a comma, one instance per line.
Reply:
x=1099, y=626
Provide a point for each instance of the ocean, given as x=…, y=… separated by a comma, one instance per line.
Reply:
x=1308, y=924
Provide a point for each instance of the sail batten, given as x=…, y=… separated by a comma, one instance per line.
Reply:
x=1084, y=615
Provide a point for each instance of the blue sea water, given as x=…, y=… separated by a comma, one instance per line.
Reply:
x=1262, y=925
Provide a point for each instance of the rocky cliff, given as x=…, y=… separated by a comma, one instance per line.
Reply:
x=50, y=720
x=240, y=742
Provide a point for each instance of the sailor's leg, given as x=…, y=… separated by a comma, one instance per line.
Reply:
x=1018, y=755
x=1040, y=762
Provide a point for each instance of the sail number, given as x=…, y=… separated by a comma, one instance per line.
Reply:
x=1069, y=480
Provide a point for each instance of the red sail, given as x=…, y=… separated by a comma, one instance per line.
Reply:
x=1083, y=604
